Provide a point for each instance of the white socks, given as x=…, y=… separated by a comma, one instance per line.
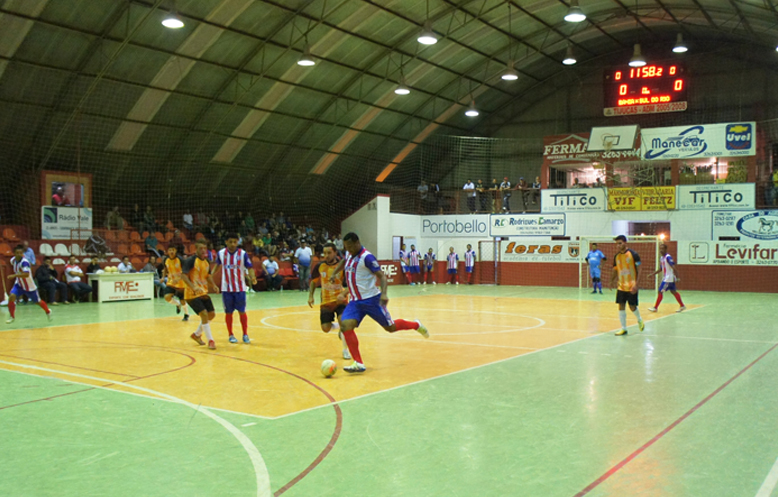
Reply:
x=207, y=330
x=199, y=330
x=335, y=326
x=636, y=312
x=623, y=319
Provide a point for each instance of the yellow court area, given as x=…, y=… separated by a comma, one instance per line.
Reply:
x=278, y=374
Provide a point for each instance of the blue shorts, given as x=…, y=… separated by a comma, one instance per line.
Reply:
x=667, y=286
x=469, y=269
x=594, y=272
x=429, y=268
x=358, y=309
x=403, y=268
x=234, y=301
x=414, y=269
x=21, y=292
x=452, y=271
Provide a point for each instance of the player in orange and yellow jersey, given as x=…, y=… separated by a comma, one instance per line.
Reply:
x=333, y=295
x=626, y=269
x=174, y=287
x=196, y=275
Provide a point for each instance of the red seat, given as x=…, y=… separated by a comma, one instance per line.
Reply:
x=123, y=250
x=135, y=236
x=10, y=235
x=123, y=236
x=135, y=249
x=5, y=250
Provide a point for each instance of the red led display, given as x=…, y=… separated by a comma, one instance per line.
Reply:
x=650, y=89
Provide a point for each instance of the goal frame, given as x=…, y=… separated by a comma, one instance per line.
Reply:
x=585, y=242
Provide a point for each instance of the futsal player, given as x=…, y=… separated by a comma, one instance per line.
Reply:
x=469, y=263
x=669, y=277
x=429, y=266
x=24, y=286
x=367, y=288
x=330, y=293
x=404, y=264
x=414, y=267
x=593, y=259
x=174, y=287
x=626, y=269
x=234, y=263
x=453, y=260
x=196, y=276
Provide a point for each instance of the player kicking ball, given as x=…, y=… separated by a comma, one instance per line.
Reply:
x=332, y=304
x=367, y=288
x=626, y=269
x=197, y=278
x=24, y=284
x=669, y=277
x=234, y=263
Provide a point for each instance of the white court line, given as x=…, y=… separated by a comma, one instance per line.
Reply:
x=711, y=339
x=260, y=470
x=766, y=490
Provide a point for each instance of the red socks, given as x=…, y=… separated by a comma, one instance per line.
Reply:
x=353, y=345
x=12, y=308
x=659, y=300
x=244, y=322
x=402, y=324
x=228, y=320
x=678, y=298
x=408, y=278
x=44, y=306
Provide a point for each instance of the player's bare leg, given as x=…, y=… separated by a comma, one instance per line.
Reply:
x=327, y=327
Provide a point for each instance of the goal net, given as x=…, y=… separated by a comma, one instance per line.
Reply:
x=647, y=247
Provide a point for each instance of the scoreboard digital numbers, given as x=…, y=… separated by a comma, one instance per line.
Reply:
x=651, y=89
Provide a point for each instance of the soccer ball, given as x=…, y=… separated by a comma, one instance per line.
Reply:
x=328, y=368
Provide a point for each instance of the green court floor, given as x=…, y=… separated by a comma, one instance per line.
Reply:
x=686, y=408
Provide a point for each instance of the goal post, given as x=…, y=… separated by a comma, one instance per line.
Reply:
x=647, y=247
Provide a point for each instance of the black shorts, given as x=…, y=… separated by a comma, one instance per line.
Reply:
x=327, y=313
x=627, y=298
x=201, y=304
x=177, y=292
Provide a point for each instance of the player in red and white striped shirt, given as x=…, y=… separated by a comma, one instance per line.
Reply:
x=429, y=263
x=234, y=263
x=24, y=285
x=469, y=263
x=404, y=264
x=414, y=268
x=453, y=261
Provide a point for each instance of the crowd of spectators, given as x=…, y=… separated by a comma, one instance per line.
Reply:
x=497, y=196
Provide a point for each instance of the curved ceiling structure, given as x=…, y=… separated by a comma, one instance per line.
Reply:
x=225, y=92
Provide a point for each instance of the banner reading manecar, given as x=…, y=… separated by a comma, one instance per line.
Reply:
x=646, y=198
x=701, y=140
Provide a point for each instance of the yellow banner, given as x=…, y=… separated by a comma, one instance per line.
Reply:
x=646, y=198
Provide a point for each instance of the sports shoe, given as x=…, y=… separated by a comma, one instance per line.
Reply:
x=600, y=292
x=434, y=282
x=681, y=309
x=457, y=282
x=178, y=309
x=641, y=325
x=423, y=330
x=246, y=339
x=621, y=332
x=346, y=354
x=186, y=317
x=594, y=291
x=424, y=283
x=66, y=302
x=211, y=345
x=9, y=320
x=652, y=309
x=448, y=283
x=232, y=340
x=49, y=316
x=197, y=339
x=356, y=367
x=54, y=303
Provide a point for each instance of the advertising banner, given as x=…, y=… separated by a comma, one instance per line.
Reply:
x=392, y=271
x=645, y=198
x=734, y=196
x=573, y=200
x=533, y=251
x=742, y=253
x=748, y=225
x=527, y=225
x=455, y=226
x=114, y=287
x=56, y=222
x=571, y=150
x=703, y=140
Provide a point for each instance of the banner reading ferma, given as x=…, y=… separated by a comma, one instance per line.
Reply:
x=644, y=198
x=527, y=225
x=571, y=149
x=534, y=251
x=702, y=140
x=57, y=222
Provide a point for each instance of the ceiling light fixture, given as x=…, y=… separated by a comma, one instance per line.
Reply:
x=172, y=21
x=575, y=14
x=680, y=46
x=637, y=59
x=427, y=36
x=471, y=111
x=569, y=59
x=305, y=58
x=402, y=88
x=510, y=73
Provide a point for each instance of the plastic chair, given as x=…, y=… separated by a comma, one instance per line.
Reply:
x=160, y=237
x=123, y=250
x=75, y=249
x=135, y=249
x=168, y=236
x=61, y=250
x=199, y=236
x=123, y=236
x=136, y=262
x=45, y=249
x=10, y=235
x=5, y=250
x=135, y=237
x=59, y=262
x=110, y=236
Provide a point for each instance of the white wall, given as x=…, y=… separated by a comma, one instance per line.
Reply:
x=365, y=223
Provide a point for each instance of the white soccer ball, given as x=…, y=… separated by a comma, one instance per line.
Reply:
x=328, y=368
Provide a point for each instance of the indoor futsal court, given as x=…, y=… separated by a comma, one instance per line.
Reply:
x=388, y=248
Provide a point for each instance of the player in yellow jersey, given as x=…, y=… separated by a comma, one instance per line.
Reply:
x=626, y=269
x=174, y=288
x=333, y=298
x=196, y=275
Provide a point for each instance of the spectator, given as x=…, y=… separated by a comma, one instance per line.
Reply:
x=272, y=277
x=267, y=239
x=113, y=220
x=281, y=220
x=151, y=243
x=523, y=187
x=136, y=218
x=96, y=245
x=243, y=229
x=49, y=283
x=470, y=187
x=482, y=195
x=250, y=224
x=93, y=267
x=304, y=255
x=598, y=183
x=258, y=245
x=576, y=184
x=149, y=221
x=536, y=190
x=774, y=194
x=188, y=221
x=201, y=220
x=59, y=197
x=505, y=188
x=177, y=241
x=339, y=244
x=126, y=266
x=437, y=198
x=73, y=275
x=423, y=190
x=495, y=189
x=151, y=267
x=29, y=253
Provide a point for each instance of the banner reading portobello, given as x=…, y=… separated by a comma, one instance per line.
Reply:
x=447, y=226
x=527, y=225
x=573, y=200
x=702, y=140
x=645, y=198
